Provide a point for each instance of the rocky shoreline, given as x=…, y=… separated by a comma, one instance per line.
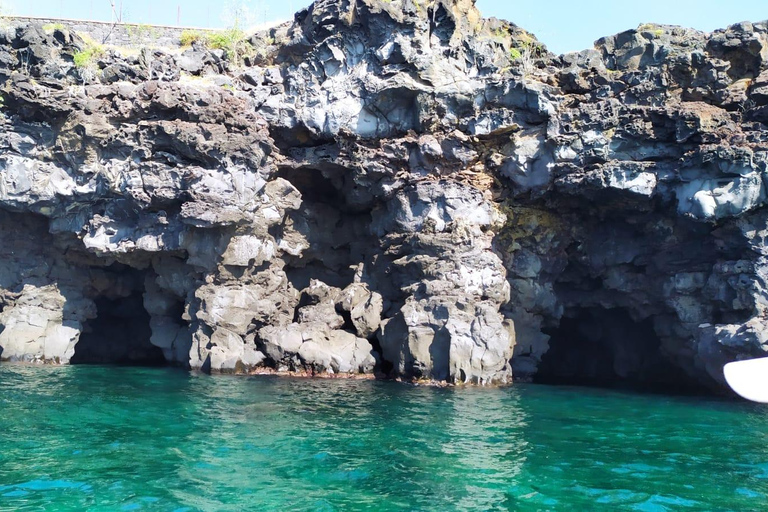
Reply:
x=397, y=187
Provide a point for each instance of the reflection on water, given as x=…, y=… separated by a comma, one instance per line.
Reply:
x=484, y=436
x=73, y=438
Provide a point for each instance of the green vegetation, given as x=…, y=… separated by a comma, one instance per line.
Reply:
x=233, y=41
x=525, y=54
x=420, y=5
x=651, y=28
x=86, y=58
x=499, y=35
x=191, y=36
x=225, y=39
x=50, y=28
x=534, y=48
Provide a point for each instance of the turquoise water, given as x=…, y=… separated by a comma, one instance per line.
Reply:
x=100, y=438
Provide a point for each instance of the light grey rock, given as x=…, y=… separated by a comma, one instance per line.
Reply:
x=709, y=199
x=446, y=340
x=393, y=176
x=318, y=348
x=35, y=328
x=364, y=307
x=433, y=206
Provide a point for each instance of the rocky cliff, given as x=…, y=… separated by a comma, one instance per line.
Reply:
x=398, y=187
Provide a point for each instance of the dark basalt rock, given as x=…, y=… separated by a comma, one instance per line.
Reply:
x=395, y=186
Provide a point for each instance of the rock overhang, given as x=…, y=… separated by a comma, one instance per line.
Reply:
x=475, y=189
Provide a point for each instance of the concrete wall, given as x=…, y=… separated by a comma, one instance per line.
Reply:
x=122, y=34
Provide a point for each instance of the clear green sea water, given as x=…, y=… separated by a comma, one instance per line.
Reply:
x=101, y=438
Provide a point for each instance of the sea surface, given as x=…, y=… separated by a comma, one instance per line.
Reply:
x=118, y=438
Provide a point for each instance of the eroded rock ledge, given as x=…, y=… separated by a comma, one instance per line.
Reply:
x=395, y=187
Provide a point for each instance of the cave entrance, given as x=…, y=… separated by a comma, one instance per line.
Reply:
x=315, y=186
x=120, y=334
x=607, y=348
x=335, y=217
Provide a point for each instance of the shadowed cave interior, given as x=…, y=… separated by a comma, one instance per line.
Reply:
x=119, y=334
x=336, y=225
x=607, y=348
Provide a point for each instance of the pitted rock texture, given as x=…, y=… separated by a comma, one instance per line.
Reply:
x=393, y=187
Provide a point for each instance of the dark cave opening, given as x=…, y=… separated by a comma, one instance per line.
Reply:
x=603, y=347
x=301, y=274
x=315, y=187
x=297, y=137
x=331, y=185
x=120, y=334
x=334, y=221
x=384, y=369
x=335, y=217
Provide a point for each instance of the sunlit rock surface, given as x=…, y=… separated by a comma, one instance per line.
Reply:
x=399, y=188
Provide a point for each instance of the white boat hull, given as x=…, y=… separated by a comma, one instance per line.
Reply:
x=749, y=379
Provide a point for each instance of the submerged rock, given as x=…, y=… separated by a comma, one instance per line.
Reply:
x=391, y=187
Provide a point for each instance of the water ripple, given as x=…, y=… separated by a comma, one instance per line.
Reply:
x=95, y=438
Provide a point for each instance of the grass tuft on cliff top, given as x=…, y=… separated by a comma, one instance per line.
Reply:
x=50, y=28
x=87, y=57
x=233, y=41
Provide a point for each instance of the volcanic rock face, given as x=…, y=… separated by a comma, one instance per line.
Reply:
x=392, y=186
